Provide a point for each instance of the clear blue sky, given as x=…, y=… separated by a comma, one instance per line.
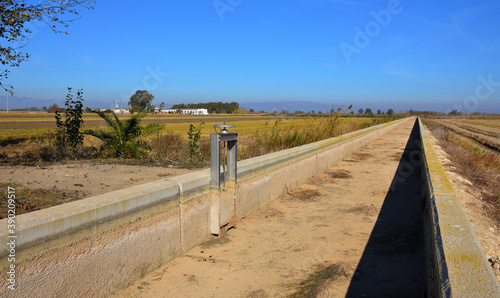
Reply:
x=425, y=55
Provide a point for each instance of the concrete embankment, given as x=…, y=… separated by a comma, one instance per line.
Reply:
x=457, y=264
x=353, y=230
x=96, y=246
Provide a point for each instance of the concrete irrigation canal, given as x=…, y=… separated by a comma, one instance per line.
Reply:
x=370, y=213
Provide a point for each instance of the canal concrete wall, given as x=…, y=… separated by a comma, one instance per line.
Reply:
x=457, y=266
x=96, y=246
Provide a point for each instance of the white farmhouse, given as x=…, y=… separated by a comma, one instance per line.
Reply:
x=185, y=111
x=121, y=110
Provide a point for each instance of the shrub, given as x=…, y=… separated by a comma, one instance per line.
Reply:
x=69, y=133
x=194, y=135
x=169, y=146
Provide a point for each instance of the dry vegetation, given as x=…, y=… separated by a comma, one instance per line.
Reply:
x=484, y=133
x=475, y=153
x=257, y=135
x=38, y=198
x=316, y=285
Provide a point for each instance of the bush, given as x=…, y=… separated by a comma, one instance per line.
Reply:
x=54, y=108
x=170, y=147
x=69, y=133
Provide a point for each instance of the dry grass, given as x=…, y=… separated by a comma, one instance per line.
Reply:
x=170, y=146
x=28, y=200
x=282, y=134
x=368, y=210
x=258, y=135
x=339, y=174
x=477, y=163
x=487, y=123
x=319, y=281
x=357, y=157
x=305, y=195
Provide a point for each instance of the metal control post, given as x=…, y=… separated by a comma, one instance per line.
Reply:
x=223, y=181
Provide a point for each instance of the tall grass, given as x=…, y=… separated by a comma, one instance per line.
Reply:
x=277, y=137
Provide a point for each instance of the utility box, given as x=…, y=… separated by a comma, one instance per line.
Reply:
x=223, y=178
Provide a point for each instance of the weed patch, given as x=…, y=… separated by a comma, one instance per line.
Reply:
x=319, y=281
x=28, y=200
x=357, y=157
x=368, y=210
x=340, y=174
x=305, y=195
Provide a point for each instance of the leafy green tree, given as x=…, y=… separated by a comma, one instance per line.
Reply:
x=179, y=106
x=368, y=111
x=121, y=137
x=360, y=111
x=141, y=101
x=379, y=112
x=70, y=129
x=390, y=112
x=14, y=32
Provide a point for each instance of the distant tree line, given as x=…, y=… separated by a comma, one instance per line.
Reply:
x=369, y=112
x=212, y=107
x=30, y=109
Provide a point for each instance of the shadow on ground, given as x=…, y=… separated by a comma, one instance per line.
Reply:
x=393, y=263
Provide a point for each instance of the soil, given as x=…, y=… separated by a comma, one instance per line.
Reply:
x=353, y=230
x=84, y=179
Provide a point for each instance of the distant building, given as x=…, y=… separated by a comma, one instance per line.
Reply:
x=183, y=111
x=121, y=110
x=117, y=110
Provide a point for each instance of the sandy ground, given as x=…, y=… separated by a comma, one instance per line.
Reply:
x=361, y=217
x=85, y=179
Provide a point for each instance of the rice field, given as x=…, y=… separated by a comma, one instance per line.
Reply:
x=31, y=138
x=35, y=125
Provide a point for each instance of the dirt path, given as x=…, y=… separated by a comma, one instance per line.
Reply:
x=84, y=180
x=352, y=230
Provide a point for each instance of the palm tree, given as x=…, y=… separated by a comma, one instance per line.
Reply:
x=121, y=138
